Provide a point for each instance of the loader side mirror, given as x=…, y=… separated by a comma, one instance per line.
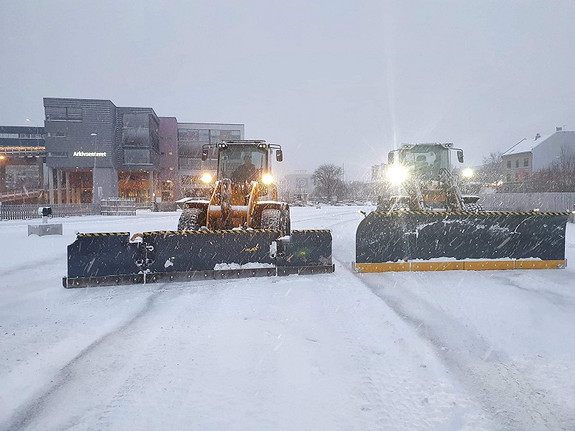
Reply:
x=204, y=155
x=279, y=155
x=460, y=156
x=390, y=158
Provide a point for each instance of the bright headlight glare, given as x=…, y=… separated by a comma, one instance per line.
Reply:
x=267, y=179
x=467, y=173
x=206, y=178
x=396, y=174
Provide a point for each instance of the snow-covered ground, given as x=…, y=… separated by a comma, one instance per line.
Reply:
x=397, y=351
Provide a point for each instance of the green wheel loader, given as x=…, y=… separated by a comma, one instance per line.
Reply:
x=425, y=223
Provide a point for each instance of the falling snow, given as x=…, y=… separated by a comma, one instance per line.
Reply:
x=454, y=350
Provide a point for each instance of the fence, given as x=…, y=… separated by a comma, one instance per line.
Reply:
x=528, y=201
x=23, y=212
x=144, y=205
x=118, y=206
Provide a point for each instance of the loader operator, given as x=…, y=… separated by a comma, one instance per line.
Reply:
x=245, y=172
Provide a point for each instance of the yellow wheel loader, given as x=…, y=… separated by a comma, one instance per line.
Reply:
x=425, y=223
x=244, y=194
x=242, y=230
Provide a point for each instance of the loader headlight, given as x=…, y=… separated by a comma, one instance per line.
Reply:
x=206, y=178
x=267, y=179
x=396, y=174
x=467, y=173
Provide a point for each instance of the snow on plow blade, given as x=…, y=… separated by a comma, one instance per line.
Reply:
x=111, y=258
x=437, y=241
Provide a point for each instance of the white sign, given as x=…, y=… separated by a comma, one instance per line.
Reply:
x=87, y=154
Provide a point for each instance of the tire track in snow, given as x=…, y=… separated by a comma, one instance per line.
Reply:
x=490, y=376
x=150, y=364
x=417, y=404
x=26, y=414
x=107, y=371
x=29, y=412
x=32, y=265
x=532, y=286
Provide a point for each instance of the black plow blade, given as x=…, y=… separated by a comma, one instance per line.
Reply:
x=110, y=259
x=419, y=241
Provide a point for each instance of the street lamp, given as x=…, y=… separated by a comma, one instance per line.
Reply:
x=28, y=120
x=41, y=160
x=94, y=188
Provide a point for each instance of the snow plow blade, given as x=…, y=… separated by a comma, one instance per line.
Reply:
x=103, y=259
x=439, y=241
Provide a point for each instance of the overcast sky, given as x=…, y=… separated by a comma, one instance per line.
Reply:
x=333, y=81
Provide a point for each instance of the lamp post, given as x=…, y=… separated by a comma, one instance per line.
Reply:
x=41, y=161
x=3, y=187
x=94, y=188
x=28, y=120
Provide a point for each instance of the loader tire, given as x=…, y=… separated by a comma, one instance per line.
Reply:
x=276, y=219
x=189, y=220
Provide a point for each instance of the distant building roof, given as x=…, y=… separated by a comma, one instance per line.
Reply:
x=526, y=145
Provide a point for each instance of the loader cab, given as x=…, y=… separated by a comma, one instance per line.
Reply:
x=424, y=160
x=242, y=162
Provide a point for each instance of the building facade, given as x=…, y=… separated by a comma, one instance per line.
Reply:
x=535, y=154
x=191, y=137
x=169, y=178
x=22, y=157
x=98, y=150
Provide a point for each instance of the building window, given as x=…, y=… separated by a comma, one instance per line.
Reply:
x=57, y=154
x=517, y=163
x=63, y=114
x=133, y=156
x=74, y=113
x=135, y=130
x=509, y=164
x=526, y=161
x=187, y=163
x=215, y=135
x=188, y=135
x=230, y=134
x=29, y=136
x=190, y=150
x=9, y=135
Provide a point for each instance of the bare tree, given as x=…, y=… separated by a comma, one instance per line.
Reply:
x=328, y=182
x=491, y=171
x=559, y=177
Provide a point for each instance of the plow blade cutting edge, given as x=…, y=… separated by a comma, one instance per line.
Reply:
x=97, y=259
x=432, y=241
